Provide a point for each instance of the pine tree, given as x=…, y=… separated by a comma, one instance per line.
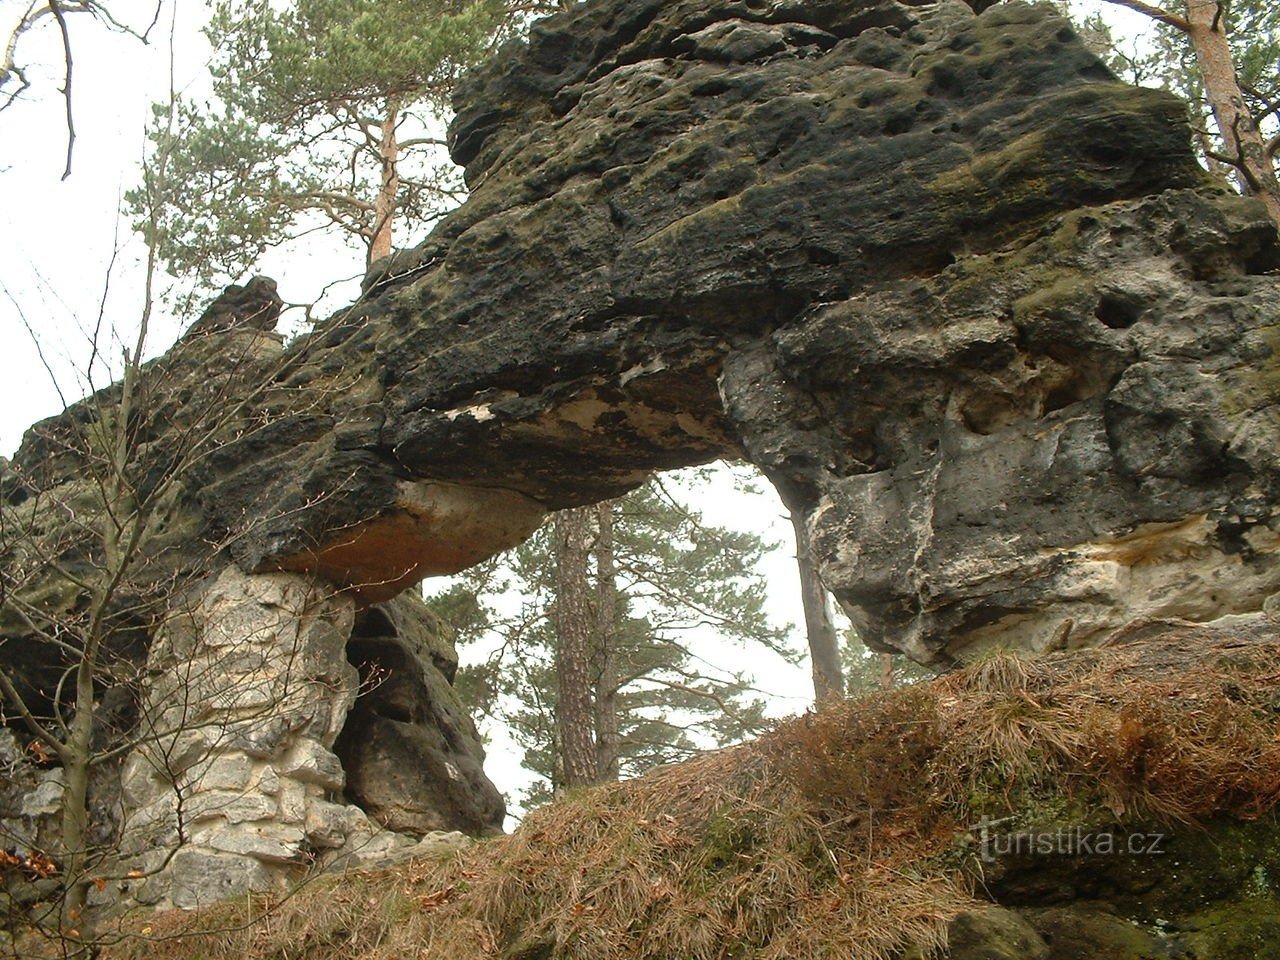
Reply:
x=1225, y=60
x=325, y=114
x=667, y=592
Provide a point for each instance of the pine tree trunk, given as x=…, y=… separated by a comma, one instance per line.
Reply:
x=819, y=622
x=606, y=686
x=384, y=206
x=1240, y=134
x=887, y=681
x=574, y=621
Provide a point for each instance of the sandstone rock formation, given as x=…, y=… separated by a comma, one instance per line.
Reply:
x=822, y=235
x=887, y=251
x=411, y=755
x=1040, y=445
x=966, y=300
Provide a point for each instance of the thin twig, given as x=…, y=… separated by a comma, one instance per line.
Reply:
x=56, y=10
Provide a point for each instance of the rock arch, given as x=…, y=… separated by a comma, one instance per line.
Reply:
x=965, y=299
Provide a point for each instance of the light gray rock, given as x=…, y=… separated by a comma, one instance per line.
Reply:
x=229, y=771
x=264, y=738
x=308, y=762
x=46, y=798
x=1038, y=446
x=386, y=849
x=231, y=806
x=268, y=842
x=329, y=825
x=201, y=878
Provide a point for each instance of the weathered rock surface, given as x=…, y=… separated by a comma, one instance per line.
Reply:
x=251, y=687
x=1042, y=445
x=822, y=234
x=409, y=748
x=256, y=305
x=967, y=301
x=639, y=211
x=794, y=214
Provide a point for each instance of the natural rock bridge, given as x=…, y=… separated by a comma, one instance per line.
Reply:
x=966, y=300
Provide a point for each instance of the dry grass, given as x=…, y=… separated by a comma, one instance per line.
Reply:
x=824, y=839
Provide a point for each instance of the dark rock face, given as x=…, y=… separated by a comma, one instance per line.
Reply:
x=932, y=269
x=256, y=305
x=411, y=753
x=1041, y=445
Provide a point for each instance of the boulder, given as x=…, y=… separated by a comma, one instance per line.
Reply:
x=411, y=753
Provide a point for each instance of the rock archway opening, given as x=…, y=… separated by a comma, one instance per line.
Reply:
x=682, y=635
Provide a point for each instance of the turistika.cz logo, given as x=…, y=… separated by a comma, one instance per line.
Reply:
x=1068, y=841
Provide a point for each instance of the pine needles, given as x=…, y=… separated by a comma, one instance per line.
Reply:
x=829, y=838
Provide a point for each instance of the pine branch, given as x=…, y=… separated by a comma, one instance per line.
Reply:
x=1155, y=13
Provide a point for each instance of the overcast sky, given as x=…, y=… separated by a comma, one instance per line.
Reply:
x=58, y=240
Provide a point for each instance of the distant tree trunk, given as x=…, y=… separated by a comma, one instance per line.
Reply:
x=887, y=681
x=575, y=625
x=606, y=686
x=819, y=622
x=1240, y=134
x=384, y=205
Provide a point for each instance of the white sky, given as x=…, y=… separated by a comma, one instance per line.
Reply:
x=57, y=240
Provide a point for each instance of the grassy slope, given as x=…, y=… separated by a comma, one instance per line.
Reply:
x=839, y=835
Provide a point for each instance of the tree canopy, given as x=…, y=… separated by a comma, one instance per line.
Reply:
x=324, y=113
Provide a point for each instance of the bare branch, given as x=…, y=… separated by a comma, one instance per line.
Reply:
x=9, y=67
x=44, y=361
x=1155, y=13
x=56, y=8
x=422, y=142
